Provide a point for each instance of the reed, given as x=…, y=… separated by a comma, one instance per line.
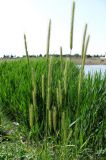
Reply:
x=33, y=88
x=65, y=77
x=48, y=101
x=84, y=50
x=57, y=98
x=34, y=93
x=63, y=127
x=54, y=118
x=86, y=46
x=26, y=48
x=72, y=26
x=43, y=89
x=50, y=120
x=60, y=94
x=0, y=121
x=31, y=111
x=48, y=40
x=59, y=102
x=49, y=83
x=81, y=77
x=81, y=137
x=61, y=60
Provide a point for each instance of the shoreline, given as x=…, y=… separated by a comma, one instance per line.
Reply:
x=76, y=60
x=89, y=61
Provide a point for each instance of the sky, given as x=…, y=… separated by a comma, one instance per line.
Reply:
x=32, y=16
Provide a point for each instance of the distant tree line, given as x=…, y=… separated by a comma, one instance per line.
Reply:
x=76, y=55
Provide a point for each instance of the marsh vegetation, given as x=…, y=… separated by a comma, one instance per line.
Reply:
x=60, y=111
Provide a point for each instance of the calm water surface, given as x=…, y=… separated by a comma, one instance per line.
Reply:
x=95, y=68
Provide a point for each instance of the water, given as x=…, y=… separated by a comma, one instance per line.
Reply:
x=95, y=68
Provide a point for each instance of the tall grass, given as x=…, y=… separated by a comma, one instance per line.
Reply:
x=61, y=107
x=17, y=101
x=81, y=77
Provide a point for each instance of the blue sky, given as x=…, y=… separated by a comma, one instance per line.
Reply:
x=31, y=17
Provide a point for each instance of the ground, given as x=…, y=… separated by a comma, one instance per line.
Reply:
x=89, y=61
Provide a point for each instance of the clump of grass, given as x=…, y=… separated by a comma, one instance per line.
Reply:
x=64, y=110
x=81, y=77
x=84, y=51
x=16, y=94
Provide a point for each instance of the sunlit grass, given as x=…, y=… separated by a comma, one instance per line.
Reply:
x=61, y=109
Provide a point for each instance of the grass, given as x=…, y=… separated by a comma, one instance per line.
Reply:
x=60, y=111
x=16, y=101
